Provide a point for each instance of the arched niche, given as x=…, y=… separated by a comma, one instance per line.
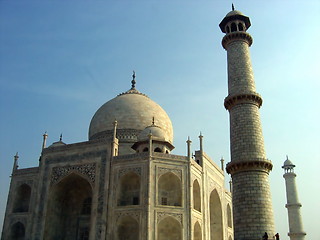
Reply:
x=196, y=196
x=197, y=233
x=169, y=229
x=22, y=198
x=127, y=229
x=67, y=212
x=216, y=228
x=169, y=190
x=229, y=216
x=17, y=231
x=129, y=190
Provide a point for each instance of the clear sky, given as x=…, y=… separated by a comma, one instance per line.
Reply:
x=61, y=60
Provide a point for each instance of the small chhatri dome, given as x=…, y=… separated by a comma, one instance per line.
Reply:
x=156, y=132
x=133, y=111
x=59, y=143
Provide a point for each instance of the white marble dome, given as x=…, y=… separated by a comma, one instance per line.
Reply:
x=133, y=111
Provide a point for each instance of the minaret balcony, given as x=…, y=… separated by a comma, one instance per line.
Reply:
x=236, y=36
x=244, y=98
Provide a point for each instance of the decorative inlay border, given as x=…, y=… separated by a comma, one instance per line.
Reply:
x=29, y=182
x=133, y=214
x=21, y=219
x=196, y=219
x=177, y=172
x=123, y=171
x=88, y=170
x=162, y=215
x=213, y=185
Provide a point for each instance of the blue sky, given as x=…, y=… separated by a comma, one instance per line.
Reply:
x=61, y=60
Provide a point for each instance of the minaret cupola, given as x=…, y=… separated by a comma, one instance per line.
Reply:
x=234, y=21
x=288, y=166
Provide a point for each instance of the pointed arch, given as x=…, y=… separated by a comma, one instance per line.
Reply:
x=196, y=196
x=169, y=229
x=233, y=27
x=157, y=149
x=128, y=229
x=197, y=233
x=22, y=198
x=240, y=26
x=216, y=228
x=129, y=190
x=145, y=149
x=229, y=216
x=17, y=232
x=67, y=199
x=169, y=190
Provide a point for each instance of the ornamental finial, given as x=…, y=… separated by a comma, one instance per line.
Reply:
x=133, y=82
x=232, y=7
x=60, y=137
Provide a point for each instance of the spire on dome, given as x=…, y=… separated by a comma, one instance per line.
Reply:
x=133, y=82
x=232, y=7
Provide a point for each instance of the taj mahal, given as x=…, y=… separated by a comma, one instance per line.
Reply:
x=124, y=183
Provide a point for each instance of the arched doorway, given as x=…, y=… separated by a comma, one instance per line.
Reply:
x=22, y=198
x=197, y=233
x=169, y=190
x=169, y=229
x=17, y=231
x=196, y=196
x=216, y=228
x=128, y=229
x=129, y=191
x=229, y=216
x=69, y=209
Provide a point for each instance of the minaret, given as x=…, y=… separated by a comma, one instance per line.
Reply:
x=295, y=223
x=44, y=142
x=189, y=148
x=249, y=167
x=15, y=163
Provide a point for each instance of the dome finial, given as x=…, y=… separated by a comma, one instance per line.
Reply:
x=60, y=137
x=133, y=82
x=152, y=120
x=232, y=7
